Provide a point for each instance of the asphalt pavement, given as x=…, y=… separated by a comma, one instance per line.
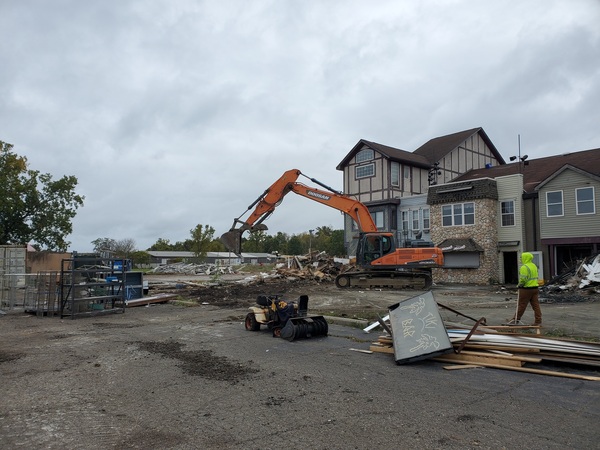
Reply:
x=95, y=383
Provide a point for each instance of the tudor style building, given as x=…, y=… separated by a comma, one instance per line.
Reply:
x=457, y=192
x=393, y=183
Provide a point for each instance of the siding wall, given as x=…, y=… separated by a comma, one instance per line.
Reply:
x=471, y=154
x=378, y=187
x=570, y=224
x=511, y=188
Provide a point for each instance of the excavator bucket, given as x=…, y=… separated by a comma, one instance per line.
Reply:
x=233, y=241
x=233, y=238
x=304, y=327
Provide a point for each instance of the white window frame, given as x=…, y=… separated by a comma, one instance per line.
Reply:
x=414, y=220
x=579, y=202
x=458, y=216
x=378, y=218
x=366, y=154
x=555, y=204
x=404, y=215
x=426, y=220
x=510, y=214
x=368, y=169
x=406, y=172
x=395, y=174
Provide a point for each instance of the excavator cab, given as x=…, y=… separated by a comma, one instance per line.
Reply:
x=372, y=246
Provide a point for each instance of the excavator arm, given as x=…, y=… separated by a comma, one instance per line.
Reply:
x=272, y=197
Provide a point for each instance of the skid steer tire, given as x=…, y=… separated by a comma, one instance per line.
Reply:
x=251, y=323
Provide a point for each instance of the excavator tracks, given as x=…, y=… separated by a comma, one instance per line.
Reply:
x=384, y=279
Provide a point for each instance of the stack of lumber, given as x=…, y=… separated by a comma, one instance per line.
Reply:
x=515, y=352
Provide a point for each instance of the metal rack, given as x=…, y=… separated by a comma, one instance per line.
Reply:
x=92, y=286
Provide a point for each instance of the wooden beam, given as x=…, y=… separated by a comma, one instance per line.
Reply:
x=495, y=355
x=463, y=366
x=529, y=370
x=470, y=359
x=375, y=347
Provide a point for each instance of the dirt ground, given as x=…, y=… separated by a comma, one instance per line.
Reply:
x=572, y=314
x=186, y=375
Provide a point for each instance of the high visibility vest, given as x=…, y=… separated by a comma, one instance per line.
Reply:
x=531, y=279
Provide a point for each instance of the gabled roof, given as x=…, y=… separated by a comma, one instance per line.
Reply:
x=535, y=171
x=563, y=169
x=395, y=154
x=435, y=149
x=427, y=154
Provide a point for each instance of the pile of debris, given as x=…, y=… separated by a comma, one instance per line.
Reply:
x=415, y=331
x=313, y=266
x=193, y=269
x=585, y=275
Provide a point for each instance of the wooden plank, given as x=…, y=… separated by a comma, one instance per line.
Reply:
x=529, y=370
x=510, y=357
x=381, y=349
x=463, y=366
x=453, y=358
x=483, y=346
x=571, y=360
x=534, y=341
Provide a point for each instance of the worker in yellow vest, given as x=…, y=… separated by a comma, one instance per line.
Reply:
x=528, y=289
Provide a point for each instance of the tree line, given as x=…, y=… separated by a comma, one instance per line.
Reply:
x=35, y=208
x=202, y=241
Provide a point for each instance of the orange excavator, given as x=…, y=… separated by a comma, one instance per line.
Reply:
x=379, y=261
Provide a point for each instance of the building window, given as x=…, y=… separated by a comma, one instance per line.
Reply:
x=415, y=220
x=554, y=204
x=366, y=154
x=458, y=214
x=507, y=213
x=395, y=174
x=378, y=218
x=426, y=221
x=585, y=200
x=365, y=171
x=406, y=172
x=404, y=220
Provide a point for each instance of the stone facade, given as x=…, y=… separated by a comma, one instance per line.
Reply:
x=484, y=231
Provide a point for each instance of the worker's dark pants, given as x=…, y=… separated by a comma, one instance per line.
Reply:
x=527, y=296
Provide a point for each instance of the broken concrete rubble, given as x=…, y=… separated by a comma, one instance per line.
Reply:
x=193, y=269
x=585, y=275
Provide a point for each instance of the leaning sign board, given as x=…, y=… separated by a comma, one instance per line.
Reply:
x=418, y=331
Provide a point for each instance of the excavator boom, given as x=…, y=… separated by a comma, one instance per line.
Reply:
x=270, y=199
x=379, y=261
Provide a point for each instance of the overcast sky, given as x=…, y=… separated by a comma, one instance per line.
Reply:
x=176, y=113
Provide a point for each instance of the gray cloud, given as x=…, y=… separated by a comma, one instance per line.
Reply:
x=177, y=113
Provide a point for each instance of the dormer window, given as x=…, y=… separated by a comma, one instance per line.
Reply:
x=365, y=154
